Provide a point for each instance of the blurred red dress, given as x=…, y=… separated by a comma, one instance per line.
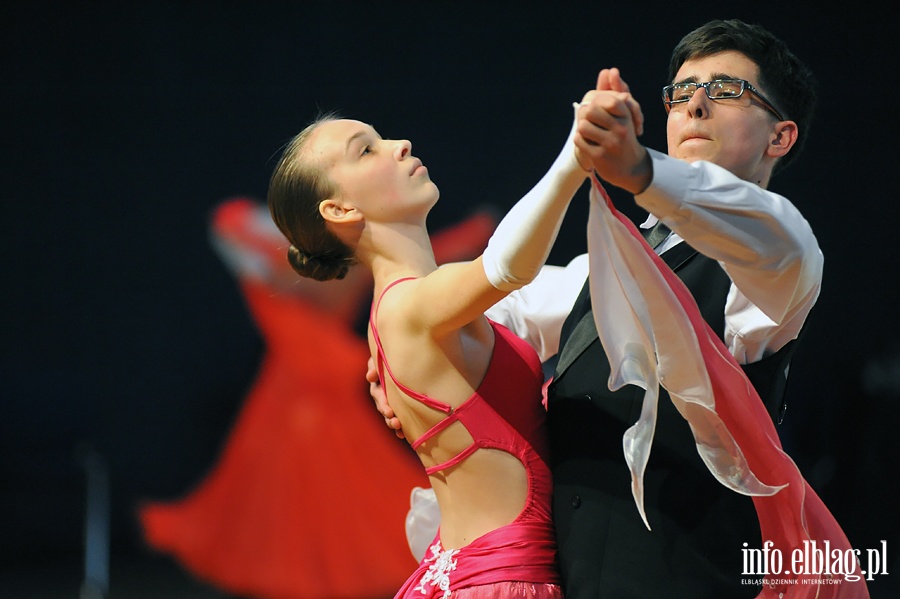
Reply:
x=311, y=491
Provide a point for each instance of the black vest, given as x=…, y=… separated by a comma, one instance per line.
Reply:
x=699, y=527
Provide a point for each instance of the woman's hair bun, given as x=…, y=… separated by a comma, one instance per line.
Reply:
x=321, y=267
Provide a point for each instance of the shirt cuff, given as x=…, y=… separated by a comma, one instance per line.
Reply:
x=672, y=180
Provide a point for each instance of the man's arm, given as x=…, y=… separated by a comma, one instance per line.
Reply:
x=761, y=240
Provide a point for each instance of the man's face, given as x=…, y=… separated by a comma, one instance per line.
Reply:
x=732, y=133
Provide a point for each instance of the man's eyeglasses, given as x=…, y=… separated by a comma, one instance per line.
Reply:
x=720, y=89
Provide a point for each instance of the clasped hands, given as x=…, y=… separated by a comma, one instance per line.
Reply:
x=609, y=122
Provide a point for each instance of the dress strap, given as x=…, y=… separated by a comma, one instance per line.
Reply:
x=454, y=460
x=382, y=359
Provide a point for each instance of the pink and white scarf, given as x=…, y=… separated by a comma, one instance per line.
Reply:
x=653, y=335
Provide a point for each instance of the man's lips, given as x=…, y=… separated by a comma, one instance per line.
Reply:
x=692, y=136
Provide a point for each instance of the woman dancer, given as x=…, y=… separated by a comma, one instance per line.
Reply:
x=467, y=391
x=267, y=521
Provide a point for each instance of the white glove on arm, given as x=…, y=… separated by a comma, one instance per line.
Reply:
x=522, y=241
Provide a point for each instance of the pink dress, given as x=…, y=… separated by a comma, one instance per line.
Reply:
x=506, y=413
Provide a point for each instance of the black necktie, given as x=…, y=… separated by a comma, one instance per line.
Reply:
x=657, y=234
x=584, y=333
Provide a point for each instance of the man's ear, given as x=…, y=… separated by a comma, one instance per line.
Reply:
x=334, y=211
x=784, y=138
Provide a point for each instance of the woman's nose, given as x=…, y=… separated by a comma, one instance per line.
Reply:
x=403, y=149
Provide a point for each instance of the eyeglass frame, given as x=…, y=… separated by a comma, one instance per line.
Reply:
x=745, y=85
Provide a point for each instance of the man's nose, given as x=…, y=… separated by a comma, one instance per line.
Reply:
x=698, y=105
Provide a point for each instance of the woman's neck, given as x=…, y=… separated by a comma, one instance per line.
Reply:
x=392, y=252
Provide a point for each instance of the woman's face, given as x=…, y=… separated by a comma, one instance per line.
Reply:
x=378, y=176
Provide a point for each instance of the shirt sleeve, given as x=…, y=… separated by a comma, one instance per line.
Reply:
x=536, y=312
x=765, y=245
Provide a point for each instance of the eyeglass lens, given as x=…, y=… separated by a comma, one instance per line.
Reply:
x=716, y=90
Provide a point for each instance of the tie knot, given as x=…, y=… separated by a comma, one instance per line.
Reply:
x=657, y=234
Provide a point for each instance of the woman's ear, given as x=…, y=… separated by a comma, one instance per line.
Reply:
x=334, y=211
x=784, y=138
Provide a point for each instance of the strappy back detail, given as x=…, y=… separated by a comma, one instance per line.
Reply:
x=452, y=415
x=505, y=413
x=500, y=413
x=382, y=361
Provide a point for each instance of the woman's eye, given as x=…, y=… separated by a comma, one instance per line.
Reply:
x=366, y=150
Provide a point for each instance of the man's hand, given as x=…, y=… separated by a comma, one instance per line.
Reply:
x=609, y=123
x=380, y=397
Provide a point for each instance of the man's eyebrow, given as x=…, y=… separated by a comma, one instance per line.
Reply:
x=690, y=79
x=712, y=77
